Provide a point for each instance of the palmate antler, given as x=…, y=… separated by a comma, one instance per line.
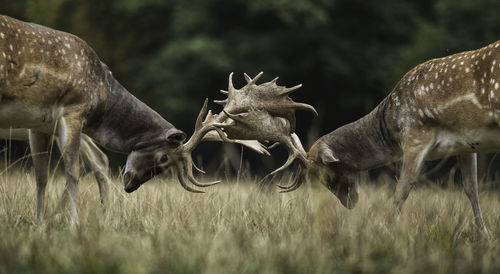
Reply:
x=265, y=113
x=251, y=114
x=205, y=130
x=267, y=96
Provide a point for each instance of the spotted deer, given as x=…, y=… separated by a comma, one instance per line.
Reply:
x=94, y=158
x=443, y=107
x=52, y=82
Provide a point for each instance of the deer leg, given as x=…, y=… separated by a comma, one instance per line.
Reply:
x=98, y=162
x=468, y=166
x=39, y=145
x=69, y=136
x=413, y=158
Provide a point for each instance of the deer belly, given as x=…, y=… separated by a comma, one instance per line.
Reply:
x=477, y=141
x=14, y=114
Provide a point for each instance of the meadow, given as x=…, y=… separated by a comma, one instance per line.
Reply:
x=239, y=227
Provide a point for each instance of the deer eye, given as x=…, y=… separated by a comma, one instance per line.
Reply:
x=164, y=158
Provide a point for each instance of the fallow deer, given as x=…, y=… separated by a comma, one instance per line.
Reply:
x=90, y=155
x=444, y=107
x=52, y=82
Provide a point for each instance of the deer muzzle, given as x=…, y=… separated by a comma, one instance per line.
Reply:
x=131, y=182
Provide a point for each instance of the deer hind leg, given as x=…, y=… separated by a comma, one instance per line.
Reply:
x=39, y=145
x=68, y=132
x=98, y=162
x=413, y=159
x=468, y=166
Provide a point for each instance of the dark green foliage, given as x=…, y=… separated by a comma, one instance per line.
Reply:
x=347, y=53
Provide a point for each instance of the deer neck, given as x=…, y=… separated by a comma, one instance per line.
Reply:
x=122, y=120
x=364, y=144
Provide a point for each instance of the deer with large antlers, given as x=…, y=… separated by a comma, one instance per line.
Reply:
x=444, y=107
x=53, y=82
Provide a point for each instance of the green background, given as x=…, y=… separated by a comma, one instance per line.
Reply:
x=348, y=54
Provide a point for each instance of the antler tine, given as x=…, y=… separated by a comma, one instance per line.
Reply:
x=247, y=78
x=274, y=80
x=289, y=161
x=254, y=80
x=290, y=90
x=221, y=102
x=230, y=86
x=297, y=182
x=201, y=115
x=295, y=150
x=225, y=92
x=180, y=175
x=189, y=171
x=304, y=106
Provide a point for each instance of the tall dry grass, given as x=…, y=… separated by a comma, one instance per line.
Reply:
x=239, y=228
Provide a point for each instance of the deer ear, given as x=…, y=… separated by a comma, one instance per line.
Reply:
x=175, y=136
x=326, y=156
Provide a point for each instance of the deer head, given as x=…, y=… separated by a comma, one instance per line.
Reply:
x=340, y=179
x=147, y=158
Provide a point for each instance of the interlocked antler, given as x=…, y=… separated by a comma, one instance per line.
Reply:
x=205, y=130
x=215, y=135
x=265, y=113
x=267, y=96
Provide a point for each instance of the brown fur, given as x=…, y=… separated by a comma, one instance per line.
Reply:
x=52, y=82
x=443, y=107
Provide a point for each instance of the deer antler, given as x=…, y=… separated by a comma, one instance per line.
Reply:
x=260, y=125
x=251, y=114
x=205, y=130
x=265, y=112
x=181, y=157
x=215, y=136
x=267, y=96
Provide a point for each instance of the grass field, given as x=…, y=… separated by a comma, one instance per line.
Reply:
x=238, y=228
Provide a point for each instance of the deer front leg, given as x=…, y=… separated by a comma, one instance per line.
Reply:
x=413, y=158
x=468, y=166
x=39, y=145
x=98, y=162
x=68, y=131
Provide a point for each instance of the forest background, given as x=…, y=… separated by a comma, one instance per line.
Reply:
x=348, y=54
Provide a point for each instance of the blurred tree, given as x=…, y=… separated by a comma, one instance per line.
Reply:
x=347, y=53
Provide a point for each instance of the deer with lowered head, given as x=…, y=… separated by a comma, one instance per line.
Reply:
x=443, y=107
x=52, y=82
